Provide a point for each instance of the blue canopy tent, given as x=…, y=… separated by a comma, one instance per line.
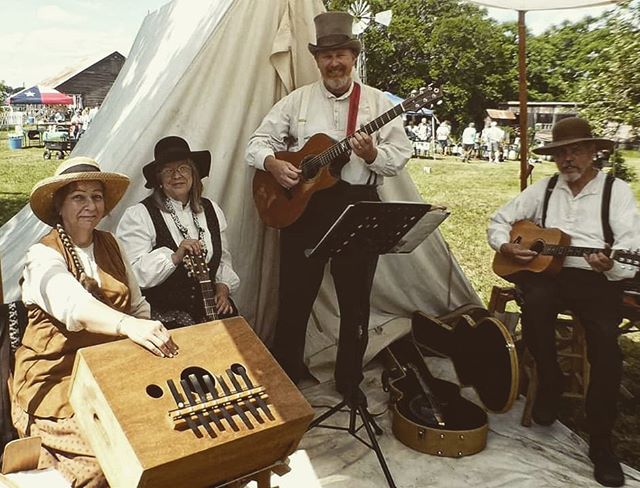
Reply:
x=395, y=99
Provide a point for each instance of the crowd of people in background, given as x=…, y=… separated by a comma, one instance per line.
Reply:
x=78, y=118
x=491, y=142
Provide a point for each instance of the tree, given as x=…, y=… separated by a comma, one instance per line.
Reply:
x=445, y=42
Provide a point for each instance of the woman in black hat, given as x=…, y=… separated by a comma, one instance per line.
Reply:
x=175, y=222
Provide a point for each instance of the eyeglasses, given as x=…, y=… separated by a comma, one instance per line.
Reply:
x=182, y=170
x=575, y=149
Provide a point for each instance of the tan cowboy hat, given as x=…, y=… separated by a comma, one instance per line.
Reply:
x=75, y=169
x=334, y=31
x=174, y=148
x=569, y=131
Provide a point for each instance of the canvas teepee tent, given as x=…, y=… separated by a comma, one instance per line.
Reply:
x=208, y=70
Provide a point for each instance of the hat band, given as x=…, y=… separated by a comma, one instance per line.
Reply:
x=80, y=168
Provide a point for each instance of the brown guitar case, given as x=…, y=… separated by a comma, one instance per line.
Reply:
x=465, y=424
x=481, y=349
x=484, y=358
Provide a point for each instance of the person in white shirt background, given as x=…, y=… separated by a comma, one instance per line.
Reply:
x=171, y=223
x=587, y=285
x=469, y=136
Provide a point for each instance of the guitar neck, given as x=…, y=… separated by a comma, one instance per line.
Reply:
x=209, y=299
x=428, y=394
x=342, y=147
x=565, y=251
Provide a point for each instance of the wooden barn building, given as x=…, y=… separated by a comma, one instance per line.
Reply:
x=88, y=81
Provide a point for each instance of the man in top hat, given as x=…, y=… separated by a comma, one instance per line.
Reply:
x=597, y=212
x=324, y=107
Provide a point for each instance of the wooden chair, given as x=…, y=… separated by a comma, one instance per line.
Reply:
x=572, y=353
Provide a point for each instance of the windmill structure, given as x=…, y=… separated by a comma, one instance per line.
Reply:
x=361, y=12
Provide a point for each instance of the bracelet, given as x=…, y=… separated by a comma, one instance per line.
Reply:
x=119, y=324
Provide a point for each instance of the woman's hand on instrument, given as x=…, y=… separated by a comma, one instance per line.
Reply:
x=599, y=261
x=283, y=171
x=187, y=246
x=364, y=147
x=223, y=304
x=150, y=334
x=517, y=252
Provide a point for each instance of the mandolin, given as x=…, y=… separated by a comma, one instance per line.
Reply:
x=198, y=269
x=321, y=159
x=552, y=246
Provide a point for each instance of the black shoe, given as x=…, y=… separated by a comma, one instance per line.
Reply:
x=546, y=405
x=606, y=467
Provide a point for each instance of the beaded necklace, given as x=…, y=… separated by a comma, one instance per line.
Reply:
x=183, y=230
x=88, y=283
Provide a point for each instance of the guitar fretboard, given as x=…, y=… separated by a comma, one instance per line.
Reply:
x=209, y=300
x=339, y=148
x=564, y=251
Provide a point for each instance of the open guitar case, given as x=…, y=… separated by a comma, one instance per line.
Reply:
x=484, y=357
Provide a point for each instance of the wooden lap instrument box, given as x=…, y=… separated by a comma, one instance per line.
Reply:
x=430, y=415
x=222, y=408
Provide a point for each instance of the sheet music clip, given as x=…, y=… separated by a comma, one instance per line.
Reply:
x=379, y=228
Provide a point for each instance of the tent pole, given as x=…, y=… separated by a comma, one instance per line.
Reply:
x=522, y=76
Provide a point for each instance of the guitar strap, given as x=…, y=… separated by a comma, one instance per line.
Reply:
x=607, y=232
x=354, y=104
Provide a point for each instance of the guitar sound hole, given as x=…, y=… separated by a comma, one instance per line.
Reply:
x=420, y=407
x=309, y=169
x=537, y=246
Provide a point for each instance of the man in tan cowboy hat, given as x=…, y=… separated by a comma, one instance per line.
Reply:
x=324, y=107
x=597, y=211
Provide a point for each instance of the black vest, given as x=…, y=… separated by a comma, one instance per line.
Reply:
x=179, y=291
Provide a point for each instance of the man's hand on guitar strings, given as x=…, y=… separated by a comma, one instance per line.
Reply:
x=285, y=173
x=364, y=146
x=516, y=252
x=599, y=262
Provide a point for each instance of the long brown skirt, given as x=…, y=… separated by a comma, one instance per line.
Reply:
x=63, y=448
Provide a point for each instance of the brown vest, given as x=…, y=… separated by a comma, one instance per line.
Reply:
x=45, y=360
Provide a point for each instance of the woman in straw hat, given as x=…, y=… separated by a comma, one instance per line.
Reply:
x=79, y=291
x=171, y=223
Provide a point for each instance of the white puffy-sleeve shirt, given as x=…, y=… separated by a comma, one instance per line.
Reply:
x=49, y=284
x=578, y=216
x=153, y=266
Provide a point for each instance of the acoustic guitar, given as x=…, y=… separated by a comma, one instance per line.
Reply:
x=321, y=159
x=198, y=270
x=552, y=246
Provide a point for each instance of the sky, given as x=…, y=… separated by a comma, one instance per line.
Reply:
x=40, y=38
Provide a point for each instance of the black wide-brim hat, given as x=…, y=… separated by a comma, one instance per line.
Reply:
x=334, y=31
x=571, y=131
x=174, y=148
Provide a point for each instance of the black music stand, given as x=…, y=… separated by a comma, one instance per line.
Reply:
x=375, y=228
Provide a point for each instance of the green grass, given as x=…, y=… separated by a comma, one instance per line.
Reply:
x=472, y=192
x=19, y=170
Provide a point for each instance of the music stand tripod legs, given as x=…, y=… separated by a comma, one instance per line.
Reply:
x=358, y=407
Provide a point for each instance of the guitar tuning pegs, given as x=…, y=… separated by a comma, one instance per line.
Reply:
x=423, y=89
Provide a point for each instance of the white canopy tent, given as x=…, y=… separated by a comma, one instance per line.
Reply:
x=209, y=71
x=194, y=72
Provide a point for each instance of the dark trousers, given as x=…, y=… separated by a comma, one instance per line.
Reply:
x=300, y=279
x=597, y=303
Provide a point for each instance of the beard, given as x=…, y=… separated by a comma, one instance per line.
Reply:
x=337, y=84
x=571, y=177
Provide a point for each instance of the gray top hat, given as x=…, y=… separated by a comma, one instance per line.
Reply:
x=334, y=31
